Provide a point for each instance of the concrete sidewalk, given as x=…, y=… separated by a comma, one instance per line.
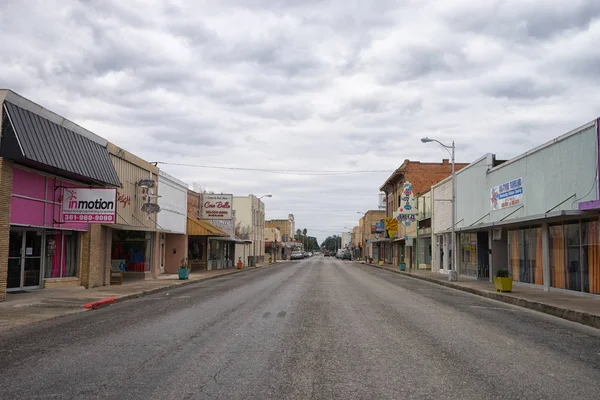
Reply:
x=21, y=309
x=573, y=307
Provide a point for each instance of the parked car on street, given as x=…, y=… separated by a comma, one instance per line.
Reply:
x=347, y=256
x=297, y=255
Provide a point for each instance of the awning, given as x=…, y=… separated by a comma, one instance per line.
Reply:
x=125, y=227
x=198, y=227
x=32, y=140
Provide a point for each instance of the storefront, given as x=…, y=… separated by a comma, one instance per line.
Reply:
x=135, y=240
x=202, y=253
x=39, y=249
x=173, y=219
x=50, y=205
x=536, y=215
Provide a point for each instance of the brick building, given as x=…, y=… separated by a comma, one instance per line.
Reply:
x=422, y=175
x=370, y=237
x=287, y=227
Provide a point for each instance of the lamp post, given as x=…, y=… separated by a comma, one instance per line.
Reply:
x=453, y=275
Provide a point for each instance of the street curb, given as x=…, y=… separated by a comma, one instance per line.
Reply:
x=99, y=303
x=178, y=284
x=580, y=317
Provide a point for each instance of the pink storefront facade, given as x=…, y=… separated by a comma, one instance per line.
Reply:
x=43, y=250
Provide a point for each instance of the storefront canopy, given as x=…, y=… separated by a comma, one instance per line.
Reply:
x=230, y=239
x=198, y=227
x=32, y=140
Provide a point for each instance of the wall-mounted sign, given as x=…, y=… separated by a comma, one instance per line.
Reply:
x=506, y=195
x=407, y=213
x=380, y=226
x=89, y=205
x=216, y=206
x=391, y=225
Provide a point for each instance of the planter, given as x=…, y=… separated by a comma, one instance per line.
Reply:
x=503, y=284
x=380, y=262
x=240, y=265
x=184, y=273
x=402, y=267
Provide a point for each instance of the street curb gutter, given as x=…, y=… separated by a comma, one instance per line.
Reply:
x=580, y=317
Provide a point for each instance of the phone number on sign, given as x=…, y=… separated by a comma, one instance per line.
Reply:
x=89, y=218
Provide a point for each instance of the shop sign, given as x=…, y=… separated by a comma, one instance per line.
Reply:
x=379, y=227
x=89, y=205
x=506, y=195
x=391, y=225
x=407, y=213
x=216, y=206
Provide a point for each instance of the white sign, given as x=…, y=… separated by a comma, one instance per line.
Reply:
x=506, y=195
x=216, y=206
x=407, y=213
x=89, y=205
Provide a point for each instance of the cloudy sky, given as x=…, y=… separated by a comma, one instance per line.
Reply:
x=307, y=85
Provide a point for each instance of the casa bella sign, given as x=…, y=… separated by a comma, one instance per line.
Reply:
x=216, y=206
x=407, y=213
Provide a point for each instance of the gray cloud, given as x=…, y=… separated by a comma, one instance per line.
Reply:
x=307, y=85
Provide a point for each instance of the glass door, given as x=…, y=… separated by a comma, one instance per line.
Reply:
x=15, y=259
x=24, y=259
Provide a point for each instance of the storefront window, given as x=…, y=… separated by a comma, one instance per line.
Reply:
x=61, y=255
x=468, y=254
x=195, y=249
x=525, y=255
x=575, y=256
x=591, y=256
x=131, y=250
x=557, y=257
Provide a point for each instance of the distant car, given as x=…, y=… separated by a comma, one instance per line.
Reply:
x=347, y=256
x=310, y=254
x=297, y=255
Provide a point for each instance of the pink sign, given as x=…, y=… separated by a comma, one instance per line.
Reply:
x=89, y=205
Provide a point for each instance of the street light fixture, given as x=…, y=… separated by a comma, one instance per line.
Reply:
x=265, y=195
x=453, y=276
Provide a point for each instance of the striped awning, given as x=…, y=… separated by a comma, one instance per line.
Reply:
x=198, y=227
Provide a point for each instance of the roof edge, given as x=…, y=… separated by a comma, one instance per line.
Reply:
x=43, y=112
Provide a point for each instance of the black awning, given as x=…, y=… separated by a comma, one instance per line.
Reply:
x=33, y=140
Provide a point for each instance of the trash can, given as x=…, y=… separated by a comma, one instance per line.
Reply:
x=403, y=267
x=251, y=261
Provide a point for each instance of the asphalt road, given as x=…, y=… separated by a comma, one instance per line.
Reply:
x=315, y=329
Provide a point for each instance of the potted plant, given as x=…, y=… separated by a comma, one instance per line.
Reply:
x=503, y=281
x=240, y=264
x=380, y=261
x=184, y=269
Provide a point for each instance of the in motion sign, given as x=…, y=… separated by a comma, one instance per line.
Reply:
x=216, y=206
x=89, y=205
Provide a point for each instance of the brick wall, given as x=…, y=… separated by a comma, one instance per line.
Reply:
x=93, y=263
x=424, y=175
x=5, y=196
x=193, y=204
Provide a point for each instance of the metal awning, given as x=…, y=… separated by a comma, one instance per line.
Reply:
x=198, y=227
x=533, y=218
x=35, y=141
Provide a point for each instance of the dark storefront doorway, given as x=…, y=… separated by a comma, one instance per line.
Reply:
x=24, y=259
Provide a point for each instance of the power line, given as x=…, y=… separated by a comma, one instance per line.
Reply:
x=305, y=172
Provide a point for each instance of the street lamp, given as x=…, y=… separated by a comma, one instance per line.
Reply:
x=265, y=195
x=453, y=276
